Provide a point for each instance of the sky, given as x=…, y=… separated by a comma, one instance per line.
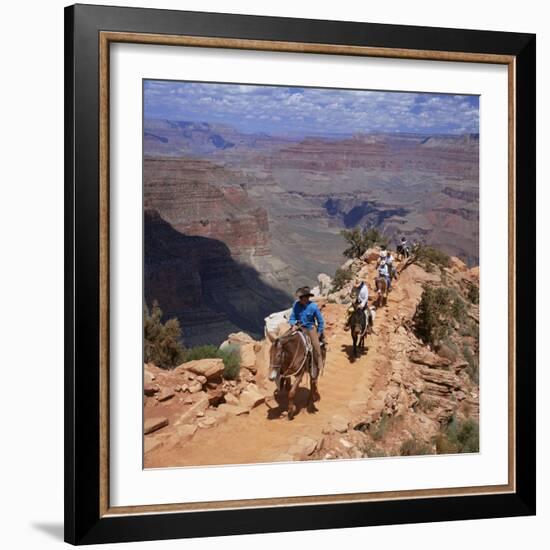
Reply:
x=284, y=110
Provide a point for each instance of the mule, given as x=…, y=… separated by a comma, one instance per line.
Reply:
x=291, y=357
x=403, y=252
x=358, y=328
x=382, y=291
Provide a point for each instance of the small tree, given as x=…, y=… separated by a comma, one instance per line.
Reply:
x=360, y=240
x=439, y=307
x=428, y=257
x=161, y=341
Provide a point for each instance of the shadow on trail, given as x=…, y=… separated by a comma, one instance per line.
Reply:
x=300, y=400
x=348, y=350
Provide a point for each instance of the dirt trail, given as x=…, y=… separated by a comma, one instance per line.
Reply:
x=265, y=434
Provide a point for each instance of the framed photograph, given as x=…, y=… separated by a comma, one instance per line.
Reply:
x=299, y=274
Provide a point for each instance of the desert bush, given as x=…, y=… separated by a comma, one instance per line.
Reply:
x=414, y=447
x=161, y=341
x=439, y=307
x=201, y=352
x=379, y=430
x=230, y=355
x=459, y=437
x=427, y=255
x=470, y=328
x=231, y=362
x=473, y=364
x=473, y=294
x=359, y=240
x=425, y=404
x=371, y=451
x=341, y=277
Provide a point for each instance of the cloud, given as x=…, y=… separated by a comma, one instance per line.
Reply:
x=283, y=109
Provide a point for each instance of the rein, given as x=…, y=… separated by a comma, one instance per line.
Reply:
x=296, y=372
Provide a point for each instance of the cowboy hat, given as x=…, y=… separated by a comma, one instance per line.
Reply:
x=304, y=291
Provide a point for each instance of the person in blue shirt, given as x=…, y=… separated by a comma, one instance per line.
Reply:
x=307, y=315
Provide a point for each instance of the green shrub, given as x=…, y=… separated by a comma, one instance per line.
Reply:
x=359, y=240
x=413, y=447
x=427, y=255
x=230, y=355
x=341, y=277
x=231, y=362
x=201, y=352
x=459, y=437
x=470, y=328
x=439, y=307
x=161, y=341
x=379, y=430
x=458, y=309
x=473, y=364
x=371, y=451
x=473, y=294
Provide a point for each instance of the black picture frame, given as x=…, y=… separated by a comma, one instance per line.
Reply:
x=84, y=522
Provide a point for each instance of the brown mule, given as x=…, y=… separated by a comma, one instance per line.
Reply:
x=359, y=325
x=382, y=291
x=289, y=357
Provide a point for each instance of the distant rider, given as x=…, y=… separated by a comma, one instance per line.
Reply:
x=307, y=315
x=403, y=248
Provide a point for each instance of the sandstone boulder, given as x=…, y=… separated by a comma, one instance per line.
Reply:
x=195, y=387
x=231, y=399
x=207, y=422
x=150, y=390
x=307, y=445
x=198, y=407
x=339, y=423
x=325, y=284
x=251, y=397
x=165, y=394
x=186, y=431
x=424, y=357
x=215, y=396
x=234, y=410
x=153, y=424
x=248, y=357
x=240, y=338
x=209, y=368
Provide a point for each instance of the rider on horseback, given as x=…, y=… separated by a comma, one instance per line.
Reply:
x=303, y=316
x=386, y=259
x=360, y=295
x=361, y=291
x=391, y=268
x=384, y=273
x=403, y=248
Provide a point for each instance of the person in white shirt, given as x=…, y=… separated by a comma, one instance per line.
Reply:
x=360, y=293
x=383, y=272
